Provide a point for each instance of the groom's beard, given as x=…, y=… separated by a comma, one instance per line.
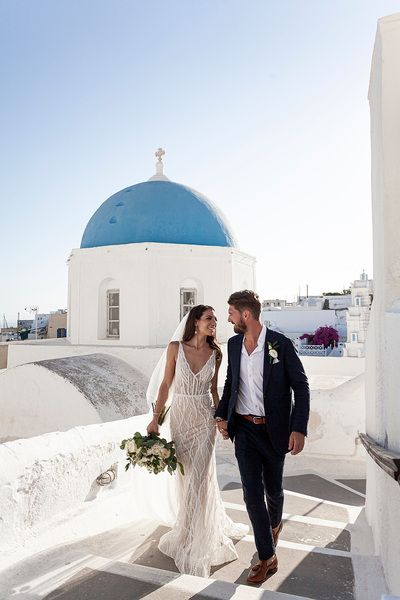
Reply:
x=240, y=327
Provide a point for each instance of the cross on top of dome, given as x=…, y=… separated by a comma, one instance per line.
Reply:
x=159, y=154
x=159, y=174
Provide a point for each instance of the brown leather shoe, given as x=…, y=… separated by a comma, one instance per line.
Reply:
x=260, y=572
x=276, y=531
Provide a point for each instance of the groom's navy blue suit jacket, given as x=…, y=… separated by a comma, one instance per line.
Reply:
x=283, y=412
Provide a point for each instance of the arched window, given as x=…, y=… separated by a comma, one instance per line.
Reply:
x=188, y=300
x=113, y=313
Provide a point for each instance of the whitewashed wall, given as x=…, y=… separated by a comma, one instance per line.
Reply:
x=44, y=478
x=143, y=359
x=337, y=384
x=34, y=400
x=149, y=277
x=56, y=394
x=47, y=480
x=383, y=343
x=337, y=415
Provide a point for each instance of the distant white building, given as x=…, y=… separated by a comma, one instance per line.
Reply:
x=307, y=315
x=341, y=301
x=310, y=302
x=294, y=321
x=358, y=316
x=274, y=303
x=39, y=326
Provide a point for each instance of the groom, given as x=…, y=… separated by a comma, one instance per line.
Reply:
x=257, y=411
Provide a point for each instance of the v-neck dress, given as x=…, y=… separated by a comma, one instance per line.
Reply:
x=201, y=535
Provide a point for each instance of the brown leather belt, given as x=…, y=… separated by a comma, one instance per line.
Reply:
x=253, y=419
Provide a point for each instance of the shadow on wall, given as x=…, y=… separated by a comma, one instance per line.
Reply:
x=57, y=394
x=111, y=385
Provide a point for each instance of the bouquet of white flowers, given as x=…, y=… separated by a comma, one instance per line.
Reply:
x=152, y=452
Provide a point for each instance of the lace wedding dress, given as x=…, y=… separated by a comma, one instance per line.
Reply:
x=201, y=535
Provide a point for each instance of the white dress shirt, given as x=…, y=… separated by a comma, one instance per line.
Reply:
x=250, y=399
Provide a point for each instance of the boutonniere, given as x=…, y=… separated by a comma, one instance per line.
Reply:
x=273, y=352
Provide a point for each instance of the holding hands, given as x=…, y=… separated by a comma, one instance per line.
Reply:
x=222, y=427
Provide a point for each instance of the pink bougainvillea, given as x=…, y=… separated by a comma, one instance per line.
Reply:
x=307, y=336
x=326, y=336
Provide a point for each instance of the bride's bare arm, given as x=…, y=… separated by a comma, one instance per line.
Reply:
x=166, y=383
x=214, y=382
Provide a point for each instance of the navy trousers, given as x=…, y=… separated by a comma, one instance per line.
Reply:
x=261, y=471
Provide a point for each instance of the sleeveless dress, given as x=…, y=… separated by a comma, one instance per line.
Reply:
x=200, y=536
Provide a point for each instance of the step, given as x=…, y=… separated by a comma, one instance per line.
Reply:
x=321, y=573
x=302, y=530
x=311, y=494
x=322, y=553
x=96, y=578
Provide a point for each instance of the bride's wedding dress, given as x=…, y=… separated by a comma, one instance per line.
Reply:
x=201, y=535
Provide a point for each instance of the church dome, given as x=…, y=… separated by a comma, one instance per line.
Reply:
x=160, y=211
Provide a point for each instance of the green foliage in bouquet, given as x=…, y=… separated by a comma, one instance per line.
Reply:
x=152, y=452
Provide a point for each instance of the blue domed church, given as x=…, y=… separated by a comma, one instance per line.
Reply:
x=148, y=254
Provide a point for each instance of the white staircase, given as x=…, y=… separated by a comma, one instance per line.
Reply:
x=324, y=553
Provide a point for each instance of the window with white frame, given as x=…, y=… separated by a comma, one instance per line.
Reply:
x=354, y=336
x=358, y=300
x=113, y=313
x=188, y=300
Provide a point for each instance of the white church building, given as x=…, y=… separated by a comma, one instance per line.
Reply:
x=148, y=254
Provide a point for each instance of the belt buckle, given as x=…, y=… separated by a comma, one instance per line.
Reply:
x=255, y=420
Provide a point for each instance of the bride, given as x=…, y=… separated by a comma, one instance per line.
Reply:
x=201, y=535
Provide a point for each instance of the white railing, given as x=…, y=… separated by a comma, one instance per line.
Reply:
x=313, y=350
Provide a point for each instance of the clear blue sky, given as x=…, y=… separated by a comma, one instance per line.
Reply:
x=261, y=105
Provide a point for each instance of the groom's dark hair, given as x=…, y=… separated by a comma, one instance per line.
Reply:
x=246, y=299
